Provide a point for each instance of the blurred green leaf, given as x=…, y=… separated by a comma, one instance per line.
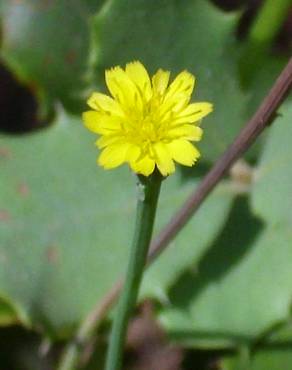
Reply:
x=241, y=289
x=272, y=359
x=191, y=243
x=239, y=361
x=280, y=335
x=8, y=314
x=64, y=240
x=46, y=43
x=271, y=195
x=264, y=359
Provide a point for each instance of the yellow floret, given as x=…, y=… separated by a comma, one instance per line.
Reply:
x=147, y=123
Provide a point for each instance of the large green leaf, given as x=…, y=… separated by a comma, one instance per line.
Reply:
x=271, y=196
x=242, y=287
x=46, y=43
x=64, y=240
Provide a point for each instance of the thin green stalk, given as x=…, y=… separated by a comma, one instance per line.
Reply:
x=244, y=362
x=146, y=208
x=269, y=20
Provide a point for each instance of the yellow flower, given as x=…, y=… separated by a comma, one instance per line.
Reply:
x=147, y=122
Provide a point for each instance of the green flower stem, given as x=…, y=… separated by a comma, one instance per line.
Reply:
x=149, y=188
x=244, y=360
x=269, y=20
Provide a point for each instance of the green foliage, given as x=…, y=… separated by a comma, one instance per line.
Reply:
x=58, y=242
x=271, y=196
x=8, y=314
x=46, y=44
x=241, y=290
x=65, y=224
x=271, y=358
x=190, y=245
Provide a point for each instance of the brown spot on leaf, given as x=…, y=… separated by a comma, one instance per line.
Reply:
x=52, y=254
x=70, y=56
x=45, y=4
x=4, y=215
x=5, y=152
x=47, y=60
x=23, y=189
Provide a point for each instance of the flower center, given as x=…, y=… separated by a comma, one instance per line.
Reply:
x=150, y=126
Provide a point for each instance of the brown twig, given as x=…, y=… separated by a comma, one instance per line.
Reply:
x=262, y=118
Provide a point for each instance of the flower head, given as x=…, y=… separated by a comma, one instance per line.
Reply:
x=147, y=122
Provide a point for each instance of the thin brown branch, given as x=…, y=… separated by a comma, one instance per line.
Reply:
x=261, y=119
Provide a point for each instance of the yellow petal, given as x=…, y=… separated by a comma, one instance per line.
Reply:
x=183, y=84
x=145, y=166
x=113, y=155
x=190, y=132
x=102, y=102
x=178, y=95
x=138, y=74
x=123, y=89
x=182, y=151
x=160, y=81
x=193, y=113
x=133, y=153
x=100, y=123
x=107, y=140
x=195, y=133
x=163, y=159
